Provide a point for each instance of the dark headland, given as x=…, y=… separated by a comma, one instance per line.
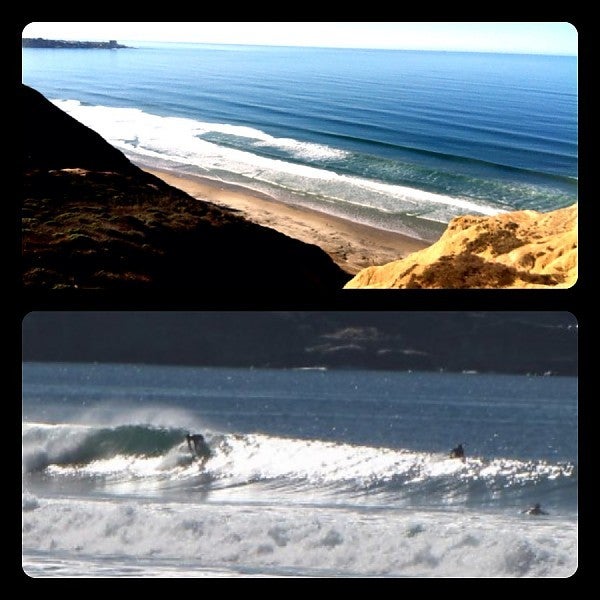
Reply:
x=536, y=342
x=42, y=43
x=93, y=220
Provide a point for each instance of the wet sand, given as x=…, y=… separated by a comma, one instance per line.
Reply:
x=351, y=245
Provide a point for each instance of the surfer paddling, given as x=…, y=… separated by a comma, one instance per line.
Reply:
x=536, y=509
x=198, y=447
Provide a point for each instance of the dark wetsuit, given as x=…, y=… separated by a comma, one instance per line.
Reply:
x=200, y=447
x=536, y=510
x=457, y=452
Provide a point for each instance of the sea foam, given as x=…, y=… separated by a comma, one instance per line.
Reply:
x=302, y=541
x=297, y=172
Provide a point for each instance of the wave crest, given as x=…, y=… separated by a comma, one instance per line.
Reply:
x=154, y=454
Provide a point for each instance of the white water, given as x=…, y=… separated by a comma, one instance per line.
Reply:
x=278, y=539
x=179, y=142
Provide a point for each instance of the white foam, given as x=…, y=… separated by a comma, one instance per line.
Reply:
x=260, y=138
x=179, y=140
x=29, y=502
x=262, y=457
x=175, y=464
x=297, y=540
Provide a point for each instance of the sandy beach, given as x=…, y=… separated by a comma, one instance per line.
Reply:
x=352, y=246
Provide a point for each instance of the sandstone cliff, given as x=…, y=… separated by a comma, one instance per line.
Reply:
x=522, y=249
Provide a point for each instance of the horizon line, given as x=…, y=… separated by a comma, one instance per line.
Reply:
x=190, y=43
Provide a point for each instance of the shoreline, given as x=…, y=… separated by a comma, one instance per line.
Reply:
x=353, y=246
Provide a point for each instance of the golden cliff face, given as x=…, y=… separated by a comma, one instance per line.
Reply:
x=523, y=249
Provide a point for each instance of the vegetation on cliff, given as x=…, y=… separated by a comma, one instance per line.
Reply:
x=521, y=249
x=92, y=219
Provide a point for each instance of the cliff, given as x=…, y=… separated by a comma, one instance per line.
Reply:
x=522, y=249
x=498, y=341
x=92, y=219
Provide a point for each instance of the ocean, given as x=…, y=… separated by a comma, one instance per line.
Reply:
x=401, y=140
x=313, y=473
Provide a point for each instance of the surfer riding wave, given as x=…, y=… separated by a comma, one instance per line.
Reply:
x=198, y=447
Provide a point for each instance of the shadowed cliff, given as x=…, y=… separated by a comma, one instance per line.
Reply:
x=92, y=219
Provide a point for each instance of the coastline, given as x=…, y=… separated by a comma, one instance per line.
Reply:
x=353, y=246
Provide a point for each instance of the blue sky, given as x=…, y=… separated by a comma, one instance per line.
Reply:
x=513, y=37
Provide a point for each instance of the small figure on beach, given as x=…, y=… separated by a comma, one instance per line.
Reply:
x=198, y=447
x=536, y=509
x=458, y=452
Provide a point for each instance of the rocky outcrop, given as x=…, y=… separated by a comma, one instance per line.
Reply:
x=43, y=43
x=92, y=219
x=522, y=249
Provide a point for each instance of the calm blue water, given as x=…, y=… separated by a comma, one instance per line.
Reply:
x=402, y=140
x=313, y=472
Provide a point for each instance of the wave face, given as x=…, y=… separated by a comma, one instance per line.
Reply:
x=401, y=140
x=341, y=471
x=76, y=447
